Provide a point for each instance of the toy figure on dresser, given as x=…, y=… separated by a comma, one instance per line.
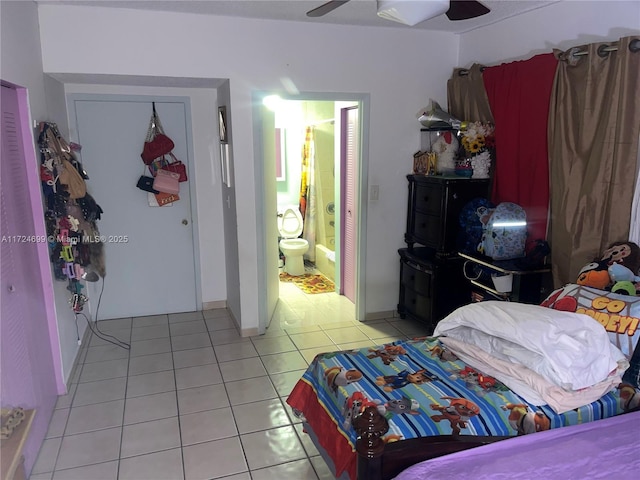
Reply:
x=446, y=148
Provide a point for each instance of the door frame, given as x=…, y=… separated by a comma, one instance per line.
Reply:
x=363, y=100
x=71, y=98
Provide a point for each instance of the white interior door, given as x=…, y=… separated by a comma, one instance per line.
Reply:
x=149, y=251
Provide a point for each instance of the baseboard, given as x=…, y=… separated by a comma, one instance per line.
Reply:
x=244, y=332
x=214, y=305
x=249, y=332
x=379, y=315
x=76, y=362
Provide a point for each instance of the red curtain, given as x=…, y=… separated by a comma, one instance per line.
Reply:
x=519, y=94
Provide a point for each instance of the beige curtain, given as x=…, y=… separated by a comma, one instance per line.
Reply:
x=594, y=119
x=467, y=97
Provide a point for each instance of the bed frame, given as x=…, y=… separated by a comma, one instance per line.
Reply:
x=380, y=461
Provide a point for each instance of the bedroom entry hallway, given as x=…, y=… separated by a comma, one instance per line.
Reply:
x=329, y=130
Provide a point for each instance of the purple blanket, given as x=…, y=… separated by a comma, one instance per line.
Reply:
x=600, y=449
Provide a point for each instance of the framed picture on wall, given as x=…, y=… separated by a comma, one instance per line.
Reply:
x=222, y=124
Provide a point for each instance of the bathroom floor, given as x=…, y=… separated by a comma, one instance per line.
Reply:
x=194, y=400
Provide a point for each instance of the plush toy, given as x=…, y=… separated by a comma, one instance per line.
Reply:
x=446, y=147
x=619, y=263
x=623, y=279
x=623, y=253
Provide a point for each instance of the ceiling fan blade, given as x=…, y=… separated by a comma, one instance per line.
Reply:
x=464, y=9
x=326, y=8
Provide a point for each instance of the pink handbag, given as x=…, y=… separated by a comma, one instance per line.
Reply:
x=167, y=182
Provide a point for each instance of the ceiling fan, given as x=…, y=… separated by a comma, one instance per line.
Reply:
x=414, y=11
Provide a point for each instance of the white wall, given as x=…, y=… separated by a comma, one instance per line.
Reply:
x=561, y=25
x=399, y=68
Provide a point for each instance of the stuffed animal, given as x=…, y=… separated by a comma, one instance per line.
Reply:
x=623, y=253
x=446, y=147
x=620, y=262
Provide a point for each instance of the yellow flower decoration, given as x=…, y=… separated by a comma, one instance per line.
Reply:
x=474, y=147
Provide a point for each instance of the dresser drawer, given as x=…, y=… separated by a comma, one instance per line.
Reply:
x=417, y=305
x=428, y=199
x=416, y=277
x=427, y=230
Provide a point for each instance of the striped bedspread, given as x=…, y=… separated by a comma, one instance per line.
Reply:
x=422, y=389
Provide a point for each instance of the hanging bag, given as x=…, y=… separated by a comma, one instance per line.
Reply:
x=158, y=164
x=166, y=182
x=177, y=167
x=146, y=183
x=164, y=199
x=156, y=143
x=71, y=179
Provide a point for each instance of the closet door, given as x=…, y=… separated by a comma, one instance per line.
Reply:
x=27, y=375
x=349, y=205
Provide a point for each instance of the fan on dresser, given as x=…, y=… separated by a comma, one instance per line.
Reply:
x=411, y=12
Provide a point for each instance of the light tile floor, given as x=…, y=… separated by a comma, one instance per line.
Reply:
x=193, y=400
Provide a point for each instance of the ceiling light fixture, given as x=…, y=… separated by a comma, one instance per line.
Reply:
x=411, y=12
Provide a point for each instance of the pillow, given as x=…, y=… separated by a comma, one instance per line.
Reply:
x=618, y=314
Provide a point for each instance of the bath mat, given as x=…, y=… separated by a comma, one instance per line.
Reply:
x=310, y=283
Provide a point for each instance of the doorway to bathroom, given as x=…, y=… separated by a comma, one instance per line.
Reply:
x=317, y=156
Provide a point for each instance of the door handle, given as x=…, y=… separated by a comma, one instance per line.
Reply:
x=185, y=221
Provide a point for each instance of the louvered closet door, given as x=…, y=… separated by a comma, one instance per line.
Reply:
x=349, y=204
x=27, y=372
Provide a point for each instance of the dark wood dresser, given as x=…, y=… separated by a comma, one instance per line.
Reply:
x=432, y=283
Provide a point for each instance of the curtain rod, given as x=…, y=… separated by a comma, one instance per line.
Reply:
x=603, y=50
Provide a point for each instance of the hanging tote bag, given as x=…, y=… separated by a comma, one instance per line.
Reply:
x=166, y=182
x=177, y=167
x=71, y=179
x=163, y=199
x=156, y=143
x=158, y=164
x=146, y=184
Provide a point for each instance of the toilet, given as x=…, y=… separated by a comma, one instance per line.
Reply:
x=290, y=227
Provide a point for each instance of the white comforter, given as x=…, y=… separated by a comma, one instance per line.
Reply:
x=570, y=350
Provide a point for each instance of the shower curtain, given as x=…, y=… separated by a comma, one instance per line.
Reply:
x=308, y=194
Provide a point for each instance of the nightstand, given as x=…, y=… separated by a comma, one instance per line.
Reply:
x=529, y=285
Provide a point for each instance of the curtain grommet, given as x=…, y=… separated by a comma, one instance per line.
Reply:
x=603, y=51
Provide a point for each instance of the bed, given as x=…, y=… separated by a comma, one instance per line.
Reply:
x=373, y=412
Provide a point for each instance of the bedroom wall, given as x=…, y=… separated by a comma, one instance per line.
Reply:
x=394, y=66
x=561, y=25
